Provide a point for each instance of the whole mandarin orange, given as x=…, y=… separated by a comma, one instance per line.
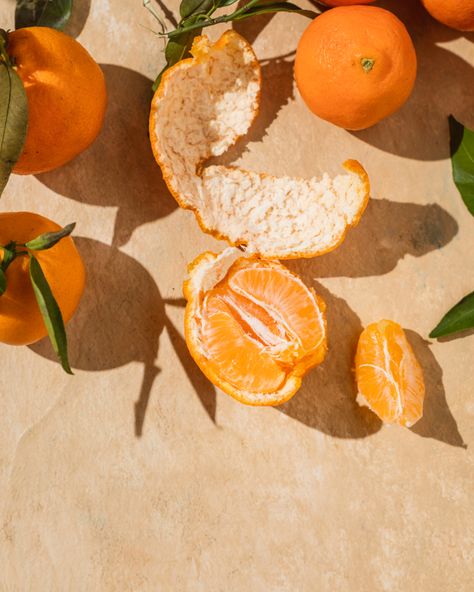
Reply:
x=355, y=65
x=66, y=95
x=457, y=14
x=21, y=322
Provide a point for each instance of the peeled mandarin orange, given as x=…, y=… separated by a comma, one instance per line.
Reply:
x=66, y=96
x=252, y=326
x=215, y=97
x=21, y=322
x=389, y=377
x=457, y=14
x=355, y=65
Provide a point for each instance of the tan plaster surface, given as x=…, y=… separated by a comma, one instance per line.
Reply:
x=135, y=475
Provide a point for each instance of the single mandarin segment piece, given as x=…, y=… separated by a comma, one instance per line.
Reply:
x=252, y=326
x=355, y=65
x=279, y=217
x=389, y=377
x=21, y=322
x=66, y=96
x=457, y=14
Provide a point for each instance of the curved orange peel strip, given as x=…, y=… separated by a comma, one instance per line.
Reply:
x=202, y=106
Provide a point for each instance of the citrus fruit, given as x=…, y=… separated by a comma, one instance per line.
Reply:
x=21, y=322
x=252, y=326
x=355, y=65
x=66, y=96
x=202, y=106
x=389, y=377
x=457, y=14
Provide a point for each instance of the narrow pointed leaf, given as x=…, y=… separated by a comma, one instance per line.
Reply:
x=13, y=121
x=192, y=7
x=50, y=311
x=462, y=159
x=459, y=318
x=223, y=3
x=266, y=8
x=3, y=281
x=49, y=239
x=42, y=13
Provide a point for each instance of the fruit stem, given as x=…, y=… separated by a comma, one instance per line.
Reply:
x=367, y=64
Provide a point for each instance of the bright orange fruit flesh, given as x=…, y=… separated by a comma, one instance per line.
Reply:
x=389, y=377
x=257, y=327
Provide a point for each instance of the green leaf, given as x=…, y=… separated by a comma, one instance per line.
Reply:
x=13, y=120
x=49, y=239
x=266, y=8
x=3, y=281
x=223, y=3
x=459, y=318
x=49, y=309
x=177, y=49
x=462, y=159
x=42, y=13
x=193, y=7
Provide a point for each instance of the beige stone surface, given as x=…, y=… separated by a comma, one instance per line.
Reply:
x=135, y=475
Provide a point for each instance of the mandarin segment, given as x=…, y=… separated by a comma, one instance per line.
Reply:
x=252, y=326
x=389, y=377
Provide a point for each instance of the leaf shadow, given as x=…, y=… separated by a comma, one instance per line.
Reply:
x=327, y=398
x=444, y=84
x=119, y=169
x=437, y=421
x=386, y=233
x=120, y=320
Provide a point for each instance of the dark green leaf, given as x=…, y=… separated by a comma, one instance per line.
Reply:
x=49, y=239
x=42, y=13
x=193, y=7
x=177, y=49
x=223, y=3
x=462, y=158
x=52, y=316
x=266, y=8
x=13, y=120
x=459, y=318
x=3, y=281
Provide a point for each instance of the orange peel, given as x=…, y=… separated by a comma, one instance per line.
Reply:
x=203, y=105
x=252, y=326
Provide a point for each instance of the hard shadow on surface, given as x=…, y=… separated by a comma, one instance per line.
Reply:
x=387, y=232
x=444, y=84
x=120, y=320
x=437, y=421
x=327, y=399
x=119, y=170
x=79, y=15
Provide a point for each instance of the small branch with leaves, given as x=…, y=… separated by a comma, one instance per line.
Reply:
x=198, y=14
x=47, y=304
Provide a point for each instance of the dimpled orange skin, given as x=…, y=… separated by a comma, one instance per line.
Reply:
x=20, y=320
x=457, y=14
x=329, y=67
x=66, y=95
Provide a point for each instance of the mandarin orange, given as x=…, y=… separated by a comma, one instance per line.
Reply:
x=389, y=377
x=66, y=96
x=355, y=65
x=457, y=14
x=21, y=322
x=252, y=326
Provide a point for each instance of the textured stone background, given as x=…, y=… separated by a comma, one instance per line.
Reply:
x=135, y=474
